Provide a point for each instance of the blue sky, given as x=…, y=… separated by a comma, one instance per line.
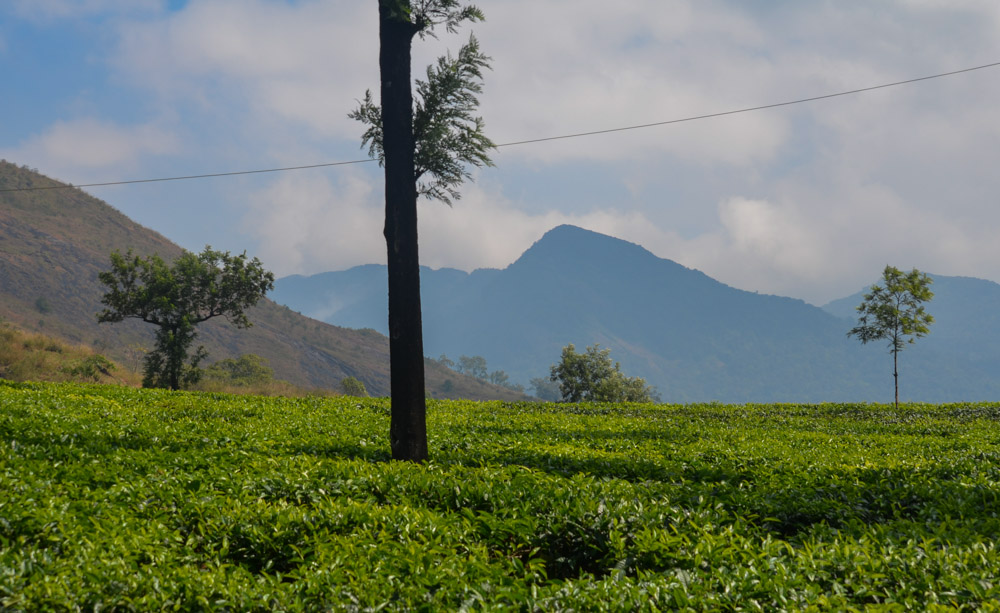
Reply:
x=809, y=201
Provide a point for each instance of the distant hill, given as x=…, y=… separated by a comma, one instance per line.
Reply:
x=695, y=338
x=54, y=242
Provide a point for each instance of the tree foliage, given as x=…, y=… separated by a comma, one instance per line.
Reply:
x=894, y=312
x=176, y=298
x=474, y=366
x=594, y=377
x=448, y=136
x=246, y=370
x=545, y=389
x=352, y=386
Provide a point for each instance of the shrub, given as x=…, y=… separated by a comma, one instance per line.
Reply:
x=90, y=368
x=249, y=369
x=43, y=306
x=351, y=386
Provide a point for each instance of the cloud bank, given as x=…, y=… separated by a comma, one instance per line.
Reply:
x=809, y=201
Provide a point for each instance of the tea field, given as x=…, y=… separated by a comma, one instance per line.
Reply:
x=116, y=499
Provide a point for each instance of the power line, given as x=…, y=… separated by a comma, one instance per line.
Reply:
x=183, y=178
x=752, y=108
x=528, y=141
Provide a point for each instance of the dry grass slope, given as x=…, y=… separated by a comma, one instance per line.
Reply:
x=28, y=356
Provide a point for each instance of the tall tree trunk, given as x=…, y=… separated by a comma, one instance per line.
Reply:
x=895, y=374
x=408, y=429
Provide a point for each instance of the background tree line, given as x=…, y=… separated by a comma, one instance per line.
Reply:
x=475, y=366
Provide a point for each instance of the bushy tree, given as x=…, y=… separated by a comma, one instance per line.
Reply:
x=249, y=369
x=474, y=366
x=894, y=312
x=352, y=386
x=499, y=377
x=178, y=297
x=545, y=389
x=594, y=377
x=425, y=149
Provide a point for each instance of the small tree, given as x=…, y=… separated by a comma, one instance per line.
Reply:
x=593, y=377
x=545, y=389
x=352, y=386
x=176, y=298
x=894, y=312
x=133, y=356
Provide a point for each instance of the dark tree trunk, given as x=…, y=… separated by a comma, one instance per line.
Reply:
x=895, y=374
x=408, y=429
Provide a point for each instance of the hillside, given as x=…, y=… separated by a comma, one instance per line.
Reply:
x=695, y=338
x=54, y=242
x=30, y=356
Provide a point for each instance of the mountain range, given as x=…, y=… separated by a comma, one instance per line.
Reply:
x=54, y=241
x=694, y=338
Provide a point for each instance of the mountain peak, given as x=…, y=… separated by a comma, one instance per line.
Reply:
x=570, y=233
x=572, y=245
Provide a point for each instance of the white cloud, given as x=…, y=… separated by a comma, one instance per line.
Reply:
x=308, y=224
x=656, y=61
x=69, y=148
x=309, y=61
x=483, y=231
x=771, y=234
x=818, y=245
x=306, y=62
x=39, y=10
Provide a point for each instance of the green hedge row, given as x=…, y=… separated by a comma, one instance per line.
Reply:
x=116, y=499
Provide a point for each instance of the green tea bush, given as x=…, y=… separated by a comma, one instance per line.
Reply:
x=124, y=499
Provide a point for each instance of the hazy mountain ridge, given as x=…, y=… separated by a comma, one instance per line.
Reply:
x=695, y=338
x=54, y=242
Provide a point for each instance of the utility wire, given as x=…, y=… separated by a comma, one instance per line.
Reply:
x=529, y=141
x=184, y=178
x=752, y=108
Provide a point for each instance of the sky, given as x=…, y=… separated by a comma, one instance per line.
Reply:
x=809, y=201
